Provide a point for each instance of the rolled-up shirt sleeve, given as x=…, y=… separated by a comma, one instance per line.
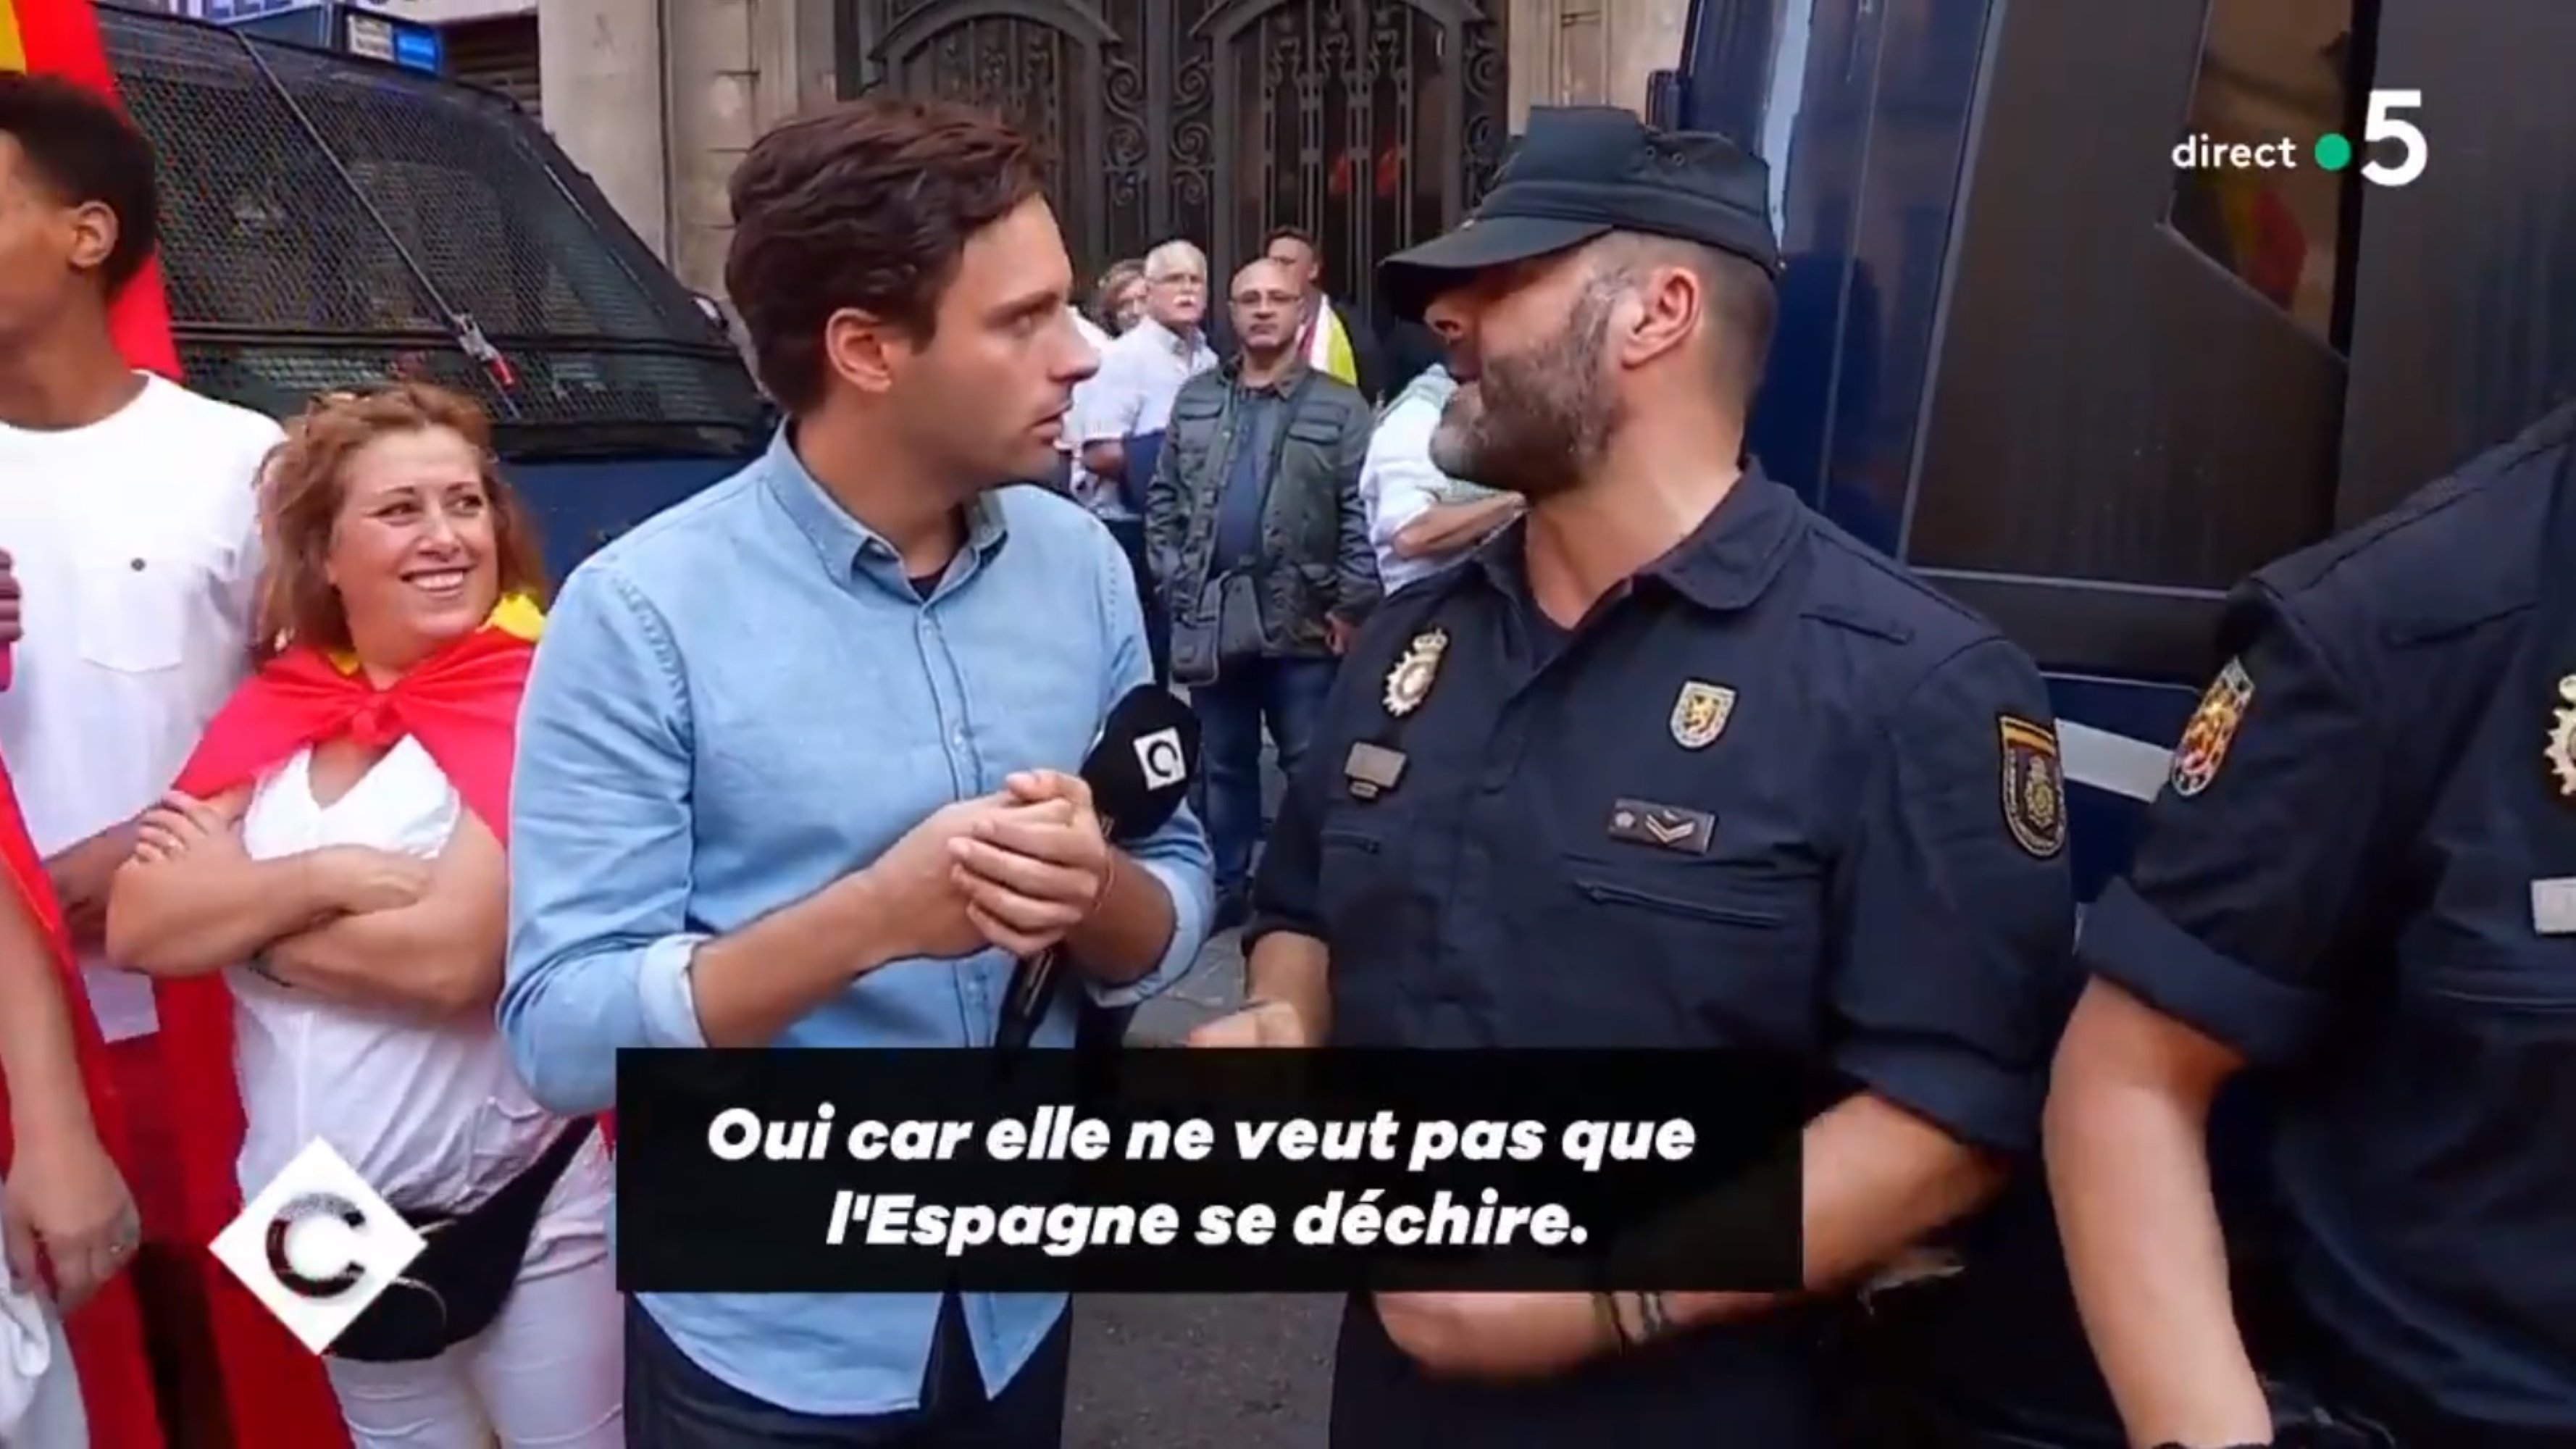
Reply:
x=1176, y=854
x=1955, y=906
x=600, y=849
x=2256, y=850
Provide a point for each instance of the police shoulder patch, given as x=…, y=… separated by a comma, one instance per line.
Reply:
x=2212, y=729
x=2034, y=786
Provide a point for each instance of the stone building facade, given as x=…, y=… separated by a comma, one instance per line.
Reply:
x=1371, y=121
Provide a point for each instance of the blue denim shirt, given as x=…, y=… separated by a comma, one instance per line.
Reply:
x=740, y=701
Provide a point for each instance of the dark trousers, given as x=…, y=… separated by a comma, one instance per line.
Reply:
x=1130, y=533
x=671, y=1403
x=1288, y=696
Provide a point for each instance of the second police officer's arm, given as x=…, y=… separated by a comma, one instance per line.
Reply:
x=2211, y=954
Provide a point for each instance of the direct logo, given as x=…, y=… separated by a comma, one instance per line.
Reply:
x=2212, y=730
x=1700, y=713
x=317, y=1246
x=1410, y=680
x=2034, y=786
x=1159, y=756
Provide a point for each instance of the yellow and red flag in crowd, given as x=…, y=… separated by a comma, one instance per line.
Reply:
x=60, y=37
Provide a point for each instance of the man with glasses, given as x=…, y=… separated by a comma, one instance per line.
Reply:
x=1254, y=524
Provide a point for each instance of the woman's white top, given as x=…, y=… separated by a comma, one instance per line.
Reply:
x=431, y=1114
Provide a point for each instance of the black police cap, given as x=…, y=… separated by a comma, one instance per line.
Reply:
x=1580, y=172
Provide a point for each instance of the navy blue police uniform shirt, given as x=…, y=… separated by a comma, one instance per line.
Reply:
x=1773, y=793
x=2361, y=876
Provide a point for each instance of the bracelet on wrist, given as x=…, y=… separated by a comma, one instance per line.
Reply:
x=1608, y=1305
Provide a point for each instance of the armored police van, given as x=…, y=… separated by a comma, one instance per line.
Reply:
x=335, y=221
x=2092, y=309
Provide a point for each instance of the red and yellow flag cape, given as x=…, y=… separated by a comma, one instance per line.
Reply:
x=60, y=37
x=462, y=705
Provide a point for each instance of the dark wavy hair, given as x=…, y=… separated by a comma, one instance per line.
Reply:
x=867, y=205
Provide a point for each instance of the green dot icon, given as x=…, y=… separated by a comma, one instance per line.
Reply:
x=2333, y=152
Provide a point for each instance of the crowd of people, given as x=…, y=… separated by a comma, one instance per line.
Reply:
x=1265, y=464
x=331, y=821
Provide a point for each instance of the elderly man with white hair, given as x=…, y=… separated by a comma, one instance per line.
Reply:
x=1141, y=371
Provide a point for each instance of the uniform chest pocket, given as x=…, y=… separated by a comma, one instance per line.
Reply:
x=1352, y=862
x=2478, y=949
x=1682, y=899
x=1719, y=953
x=133, y=610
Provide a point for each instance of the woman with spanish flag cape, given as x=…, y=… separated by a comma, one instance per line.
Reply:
x=462, y=705
x=396, y=678
x=106, y=1334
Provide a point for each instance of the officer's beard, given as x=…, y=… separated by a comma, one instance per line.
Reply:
x=1536, y=420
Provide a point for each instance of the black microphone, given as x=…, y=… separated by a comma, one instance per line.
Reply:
x=1139, y=772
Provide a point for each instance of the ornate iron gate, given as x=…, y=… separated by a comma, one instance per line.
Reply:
x=1372, y=123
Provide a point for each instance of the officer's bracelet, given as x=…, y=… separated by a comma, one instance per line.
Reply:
x=1608, y=1303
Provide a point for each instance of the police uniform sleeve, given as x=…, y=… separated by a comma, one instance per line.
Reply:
x=2254, y=851
x=1956, y=906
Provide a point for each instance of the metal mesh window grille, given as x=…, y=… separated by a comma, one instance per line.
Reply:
x=328, y=221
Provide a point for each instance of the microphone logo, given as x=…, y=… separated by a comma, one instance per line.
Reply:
x=1159, y=756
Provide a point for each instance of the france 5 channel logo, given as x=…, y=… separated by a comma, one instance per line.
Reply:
x=318, y=1245
x=2393, y=142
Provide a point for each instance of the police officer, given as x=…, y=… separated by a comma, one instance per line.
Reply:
x=1673, y=763
x=2360, y=879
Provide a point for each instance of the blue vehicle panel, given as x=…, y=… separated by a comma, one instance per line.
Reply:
x=2086, y=387
x=581, y=505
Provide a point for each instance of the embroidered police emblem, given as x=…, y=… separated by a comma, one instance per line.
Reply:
x=1411, y=677
x=2561, y=753
x=2034, y=786
x=1700, y=713
x=2212, y=729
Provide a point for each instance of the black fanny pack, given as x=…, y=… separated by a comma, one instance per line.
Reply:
x=462, y=1280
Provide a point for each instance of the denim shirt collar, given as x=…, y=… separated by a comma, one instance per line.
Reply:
x=850, y=549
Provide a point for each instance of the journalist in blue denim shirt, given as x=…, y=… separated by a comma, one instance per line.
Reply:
x=763, y=756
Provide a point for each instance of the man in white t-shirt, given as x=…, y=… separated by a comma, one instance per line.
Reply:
x=129, y=519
